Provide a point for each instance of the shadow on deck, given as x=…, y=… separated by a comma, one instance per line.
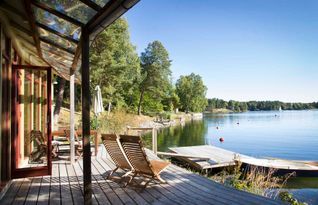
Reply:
x=65, y=187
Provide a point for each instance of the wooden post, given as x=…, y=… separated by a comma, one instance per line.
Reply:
x=32, y=104
x=39, y=105
x=21, y=113
x=1, y=103
x=6, y=112
x=72, y=115
x=127, y=130
x=86, y=98
x=154, y=140
x=50, y=115
x=52, y=99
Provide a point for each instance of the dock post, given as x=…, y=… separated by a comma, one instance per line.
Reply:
x=127, y=130
x=154, y=140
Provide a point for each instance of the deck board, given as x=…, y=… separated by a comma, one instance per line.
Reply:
x=79, y=174
x=103, y=170
x=74, y=185
x=44, y=191
x=65, y=187
x=9, y=197
x=66, y=194
x=33, y=194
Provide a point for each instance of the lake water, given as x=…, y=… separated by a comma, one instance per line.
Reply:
x=281, y=134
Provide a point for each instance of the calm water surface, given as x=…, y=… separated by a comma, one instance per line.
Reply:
x=281, y=134
x=287, y=134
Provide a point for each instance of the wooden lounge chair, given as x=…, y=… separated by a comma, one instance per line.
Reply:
x=137, y=157
x=78, y=143
x=116, y=152
x=40, y=145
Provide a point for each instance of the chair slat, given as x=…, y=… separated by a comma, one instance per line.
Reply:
x=114, y=150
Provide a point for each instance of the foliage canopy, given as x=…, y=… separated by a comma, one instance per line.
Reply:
x=115, y=64
x=155, y=73
x=191, y=92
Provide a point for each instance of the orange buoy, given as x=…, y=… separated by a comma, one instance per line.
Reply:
x=221, y=139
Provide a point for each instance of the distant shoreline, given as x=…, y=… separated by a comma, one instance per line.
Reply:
x=227, y=111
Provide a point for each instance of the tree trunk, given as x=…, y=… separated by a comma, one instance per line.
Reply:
x=140, y=101
x=58, y=101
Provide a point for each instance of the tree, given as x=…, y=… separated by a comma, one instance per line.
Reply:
x=191, y=92
x=171, y=100
x=115, y=65
x=155, y=72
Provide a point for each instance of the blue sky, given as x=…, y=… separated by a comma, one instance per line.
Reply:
x=243, y=49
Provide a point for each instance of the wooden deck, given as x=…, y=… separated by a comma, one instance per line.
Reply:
x=219, y=157
x=65, y=187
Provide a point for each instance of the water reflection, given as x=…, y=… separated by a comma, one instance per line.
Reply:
x=187, y=134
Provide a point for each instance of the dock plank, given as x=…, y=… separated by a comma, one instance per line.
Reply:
x=218, y=157
x=222, y=158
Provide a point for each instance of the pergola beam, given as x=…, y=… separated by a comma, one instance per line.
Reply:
x=92, y=4
x=57, y=45
x=20, y=28
x=69, y=38
x=57, y=13
x=103, y=13
x=35, y=34
x=13, y=10
x=108, y=12
x=76, y=56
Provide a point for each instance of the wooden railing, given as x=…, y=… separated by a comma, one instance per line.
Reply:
x=154, y=135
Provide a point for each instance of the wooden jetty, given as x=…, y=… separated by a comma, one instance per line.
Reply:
x=205, y=156
x=208, y=157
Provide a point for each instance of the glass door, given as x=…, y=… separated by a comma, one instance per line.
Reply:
x=31, y=126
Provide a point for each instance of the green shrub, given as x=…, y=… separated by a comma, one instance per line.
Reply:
x=288, y=197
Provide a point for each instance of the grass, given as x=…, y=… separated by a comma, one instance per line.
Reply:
x=258, y=181
x=118, y=120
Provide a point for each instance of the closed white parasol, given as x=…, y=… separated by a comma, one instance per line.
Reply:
x=98, y=101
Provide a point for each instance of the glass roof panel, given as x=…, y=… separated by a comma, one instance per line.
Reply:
x=101, y=3
x=56, y=23
x=58, y=66
x=58, y=58
x=56, y=51
x=57, y=39
x=74, y=8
